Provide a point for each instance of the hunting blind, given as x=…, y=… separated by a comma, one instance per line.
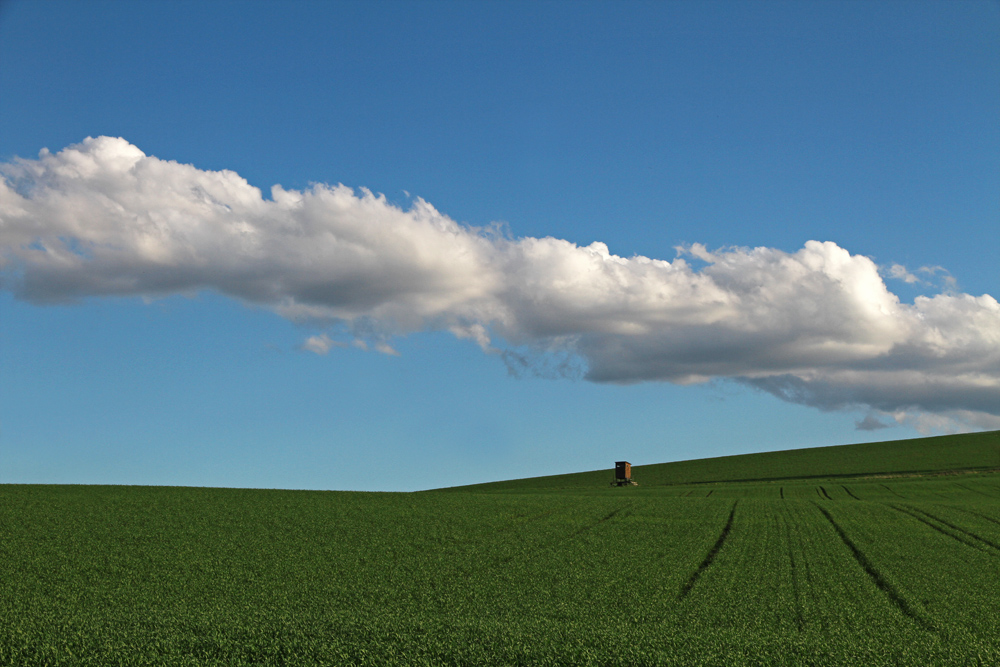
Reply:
x=623, y=474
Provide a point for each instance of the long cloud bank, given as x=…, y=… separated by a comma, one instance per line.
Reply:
x=817, y=326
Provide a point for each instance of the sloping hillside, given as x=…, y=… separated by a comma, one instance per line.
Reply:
x=876, y=571
x=968, y=451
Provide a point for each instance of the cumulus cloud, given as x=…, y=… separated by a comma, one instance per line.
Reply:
x=817, y=326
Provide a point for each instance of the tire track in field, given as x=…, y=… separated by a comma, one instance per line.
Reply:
x=954, y=527
x=849, y=492
x=825, y=493
x=969, y=488
x=535, y=552
x=974, y=513
x=877, y=578
x=892, y=492
x=597, y=523
x=522, y=520
x=939, y=529
x=527, y=518
x=800, y=621
x=811, y=580
x=711, y=554
x=781, y=492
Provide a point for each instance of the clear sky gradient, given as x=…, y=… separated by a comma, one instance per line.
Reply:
x=642, y=126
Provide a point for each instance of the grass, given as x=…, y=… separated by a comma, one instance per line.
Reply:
x=870, y=569
x=965, y=452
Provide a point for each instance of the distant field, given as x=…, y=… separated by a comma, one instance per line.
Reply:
x=969, y=451
x=813, y=570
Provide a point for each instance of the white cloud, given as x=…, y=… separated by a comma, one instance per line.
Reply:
x=320, y=344
x=899, y=272
x=385, y=348
x=817, y=326
x=933, y=274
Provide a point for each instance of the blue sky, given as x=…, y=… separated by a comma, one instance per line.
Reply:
x=642, y=126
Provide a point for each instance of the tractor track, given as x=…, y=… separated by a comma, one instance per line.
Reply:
x=849, y=492
x=969, y=488
x=892, y=492
x=964, y=531
x=597, y=523
x=710, y=556
x=938, y=528
x=800, y=621
x=974, y=513
x=878, y=578
x=536, y=552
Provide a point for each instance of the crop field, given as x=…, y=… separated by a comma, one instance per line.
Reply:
x=966, y=452
x=871, y=570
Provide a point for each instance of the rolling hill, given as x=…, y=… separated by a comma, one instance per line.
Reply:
x=881, y=554
x=963, y=452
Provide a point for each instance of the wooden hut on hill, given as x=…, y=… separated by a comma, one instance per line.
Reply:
x=623, y=474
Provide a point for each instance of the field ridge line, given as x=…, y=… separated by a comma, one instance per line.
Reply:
x=711, y=554
x=877, y=578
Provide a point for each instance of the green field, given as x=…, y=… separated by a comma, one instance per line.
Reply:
x=971, y=452
x=866, y=563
